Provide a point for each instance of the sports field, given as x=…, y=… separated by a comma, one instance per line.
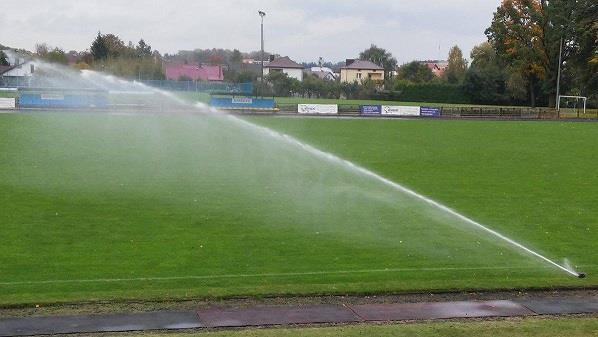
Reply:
x=105, y=207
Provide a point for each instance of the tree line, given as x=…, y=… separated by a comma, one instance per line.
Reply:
x=517, y=65
x=527, y=42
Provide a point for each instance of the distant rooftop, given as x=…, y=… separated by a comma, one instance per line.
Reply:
x=361, y=64
x=4, y=69
x=283, y=62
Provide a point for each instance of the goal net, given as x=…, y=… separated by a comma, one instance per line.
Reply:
x=572, y=105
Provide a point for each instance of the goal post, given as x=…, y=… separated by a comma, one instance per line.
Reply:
x=571, y=105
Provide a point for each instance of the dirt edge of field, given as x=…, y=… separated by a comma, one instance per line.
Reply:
x=135, y=306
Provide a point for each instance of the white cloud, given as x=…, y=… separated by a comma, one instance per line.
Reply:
x=304, y=30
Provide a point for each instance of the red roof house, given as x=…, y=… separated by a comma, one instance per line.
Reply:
x=196, y=72
x=438, y=67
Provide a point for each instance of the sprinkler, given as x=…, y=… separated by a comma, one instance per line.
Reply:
x=581, y=275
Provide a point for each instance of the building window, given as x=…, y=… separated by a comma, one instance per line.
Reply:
x=359, y=75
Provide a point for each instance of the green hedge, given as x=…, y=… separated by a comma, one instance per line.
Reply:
x=426, y=92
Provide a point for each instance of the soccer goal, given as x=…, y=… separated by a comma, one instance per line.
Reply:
x=572, y=105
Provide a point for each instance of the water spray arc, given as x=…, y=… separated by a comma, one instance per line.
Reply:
x=361, y=170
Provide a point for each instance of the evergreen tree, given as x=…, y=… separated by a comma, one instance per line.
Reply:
x=99, y=49
x=457, y=66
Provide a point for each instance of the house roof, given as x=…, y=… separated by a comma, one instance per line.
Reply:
x=4, y=69
x=196, y=72
x=323, y=75
x=283, y=62
x=362, y=64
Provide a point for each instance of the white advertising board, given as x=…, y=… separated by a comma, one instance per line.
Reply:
x=7, y=103
x=52, y=97
x=317, y=109
x=242, y=100
x=400, y=110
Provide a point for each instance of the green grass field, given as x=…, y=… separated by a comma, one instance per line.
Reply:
x=116, y=207
x=8, y=94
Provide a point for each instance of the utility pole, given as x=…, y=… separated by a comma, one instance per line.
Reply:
x=262, y=14
x=558, y=80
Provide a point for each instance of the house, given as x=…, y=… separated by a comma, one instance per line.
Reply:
x=323, y=73
x=193, y=72
x=437, y=67
x=360, y=70
x=18, y=72
x=284, y=65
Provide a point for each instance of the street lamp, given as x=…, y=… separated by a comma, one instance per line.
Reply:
x=262, y=14
x=558, y=79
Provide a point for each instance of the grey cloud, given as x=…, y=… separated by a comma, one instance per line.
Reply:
x=304, y=30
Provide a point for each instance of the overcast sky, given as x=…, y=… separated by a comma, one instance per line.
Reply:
x=303, y=30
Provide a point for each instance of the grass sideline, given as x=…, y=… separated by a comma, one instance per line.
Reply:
x=359, y=102
x=532, y=327
x=8, y=94
x=112, y=207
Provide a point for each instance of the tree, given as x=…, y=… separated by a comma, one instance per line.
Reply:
x=282, y=84
x=415, y=72
x=577, y=23
x=457, y=66
x=518, y=33
x=99, y=49
x=143, y=49
x=41, y=50
x=3, y=59
x=380, y=57
x=49, y=54
x=116, y=47
x=57, y=55
x=236, y=57
x=485, y=80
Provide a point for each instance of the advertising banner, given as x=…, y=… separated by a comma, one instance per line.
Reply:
x=52, y=97
x=7, y=103
x=242, y=103
x=317, y=109
x=400, y=110
x=371, y=109
x=430, y=112
x=242, y=100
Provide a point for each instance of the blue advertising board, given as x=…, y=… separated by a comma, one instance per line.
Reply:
x=425, y=111
x=242, y=103
x=62, y=99
x=371, y=109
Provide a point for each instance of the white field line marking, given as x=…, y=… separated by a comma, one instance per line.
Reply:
x=232, y=276
x=332, y=158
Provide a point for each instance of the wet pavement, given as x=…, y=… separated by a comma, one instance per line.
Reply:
x=261, y=315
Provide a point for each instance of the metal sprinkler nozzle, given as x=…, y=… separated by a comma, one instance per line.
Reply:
x=581, y=275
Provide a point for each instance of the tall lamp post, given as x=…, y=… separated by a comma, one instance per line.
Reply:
x=262, y=14
x=558, y=80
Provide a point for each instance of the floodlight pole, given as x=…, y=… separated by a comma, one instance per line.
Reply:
x=558, y=81
x=262, y=14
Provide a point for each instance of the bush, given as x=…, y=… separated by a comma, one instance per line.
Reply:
x=425, y=92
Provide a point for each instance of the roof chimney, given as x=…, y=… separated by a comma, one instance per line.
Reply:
x=349, y=62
